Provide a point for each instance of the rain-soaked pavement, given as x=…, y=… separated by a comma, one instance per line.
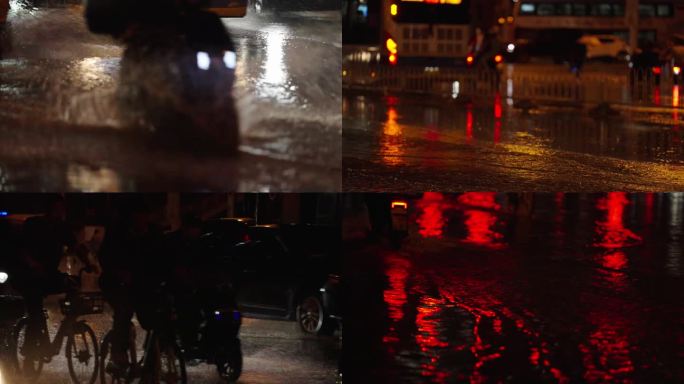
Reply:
x=579, y=288
x=274, y=352
x=63, y=126
x=411, y=143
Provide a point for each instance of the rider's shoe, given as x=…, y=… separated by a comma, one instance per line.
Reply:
x=117, y=369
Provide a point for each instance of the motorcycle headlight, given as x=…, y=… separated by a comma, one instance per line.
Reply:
x=3, y=277
x=203, y=60
x=230, y=59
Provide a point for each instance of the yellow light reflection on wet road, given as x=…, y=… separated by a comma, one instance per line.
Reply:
x=392, y=142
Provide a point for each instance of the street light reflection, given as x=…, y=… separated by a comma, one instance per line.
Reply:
x=392, y=142
x=274, y=80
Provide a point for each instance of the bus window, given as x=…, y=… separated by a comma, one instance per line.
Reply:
x=528, y=9
x=579, y=9
x=664, y=10
x=429, y=13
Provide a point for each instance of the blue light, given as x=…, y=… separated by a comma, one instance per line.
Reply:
x=4, y=213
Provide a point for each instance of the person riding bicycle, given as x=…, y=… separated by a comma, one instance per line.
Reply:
x=129, y=271
x=43, y=242
x=195, y=280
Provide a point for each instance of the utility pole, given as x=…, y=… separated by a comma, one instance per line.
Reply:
x=632, y=20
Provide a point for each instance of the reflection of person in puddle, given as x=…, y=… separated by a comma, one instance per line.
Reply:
x=177, y=70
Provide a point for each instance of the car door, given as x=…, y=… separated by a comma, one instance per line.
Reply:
x=265, y=287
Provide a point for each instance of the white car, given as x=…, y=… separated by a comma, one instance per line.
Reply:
x=605, y=46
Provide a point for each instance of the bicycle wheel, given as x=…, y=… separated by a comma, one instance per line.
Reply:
x=26, y=352
x=166, y=365
x=82, y=354
x=111, y=376
x=230, y=366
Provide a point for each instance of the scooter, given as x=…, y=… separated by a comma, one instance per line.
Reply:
x=217, y=340
x=177, y=74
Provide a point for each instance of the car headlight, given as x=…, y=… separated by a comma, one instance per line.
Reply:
x=3, y=277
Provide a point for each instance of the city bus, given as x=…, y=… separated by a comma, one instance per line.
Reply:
x=228, y=8
x=426, y=31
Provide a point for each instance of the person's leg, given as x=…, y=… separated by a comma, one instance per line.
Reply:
x=36, y=340
x=121, y=329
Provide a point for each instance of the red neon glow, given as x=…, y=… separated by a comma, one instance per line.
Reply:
x=656, y=95
x=431, y=219
x=480, y=222
x=656, y=70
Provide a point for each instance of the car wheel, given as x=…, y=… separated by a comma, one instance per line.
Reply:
x=311, y=314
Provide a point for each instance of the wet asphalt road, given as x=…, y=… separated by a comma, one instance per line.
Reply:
x=415, y=144
x=274, y=352
x=62, y=128
x=584, y=288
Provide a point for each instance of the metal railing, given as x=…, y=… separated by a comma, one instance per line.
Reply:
x=638, y=86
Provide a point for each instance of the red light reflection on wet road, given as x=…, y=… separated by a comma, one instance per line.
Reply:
x=606, y=356
x=497, y=117
x=428, y=337
x=469, y=122
x=480, y=222
x=612, y=232
x=431, y=219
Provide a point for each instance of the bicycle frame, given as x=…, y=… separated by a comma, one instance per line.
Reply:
x=55, y=345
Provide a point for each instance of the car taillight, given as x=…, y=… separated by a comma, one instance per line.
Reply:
x=498, y=59
x=656, y=70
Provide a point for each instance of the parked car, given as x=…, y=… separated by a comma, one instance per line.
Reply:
x=605, y=46
x=290, y=272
